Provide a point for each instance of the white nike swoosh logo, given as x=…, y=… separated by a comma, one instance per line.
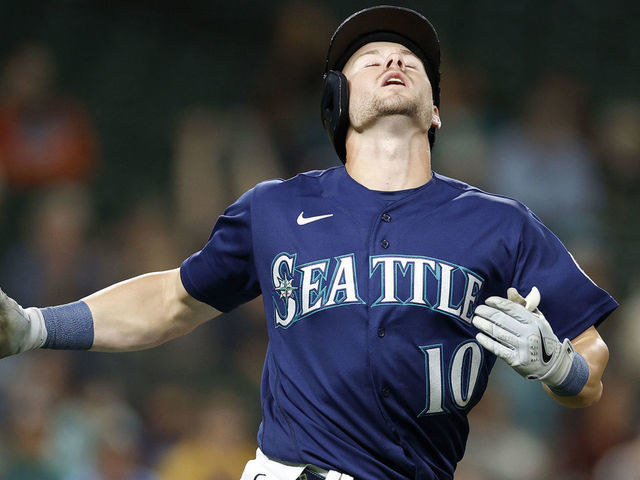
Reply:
x=303, y=221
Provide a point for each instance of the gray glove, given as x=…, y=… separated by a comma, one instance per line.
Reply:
x=515, y=330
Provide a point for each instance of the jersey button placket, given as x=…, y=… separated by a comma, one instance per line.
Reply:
x=379, y=332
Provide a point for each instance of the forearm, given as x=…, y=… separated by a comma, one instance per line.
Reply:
x=143, y=312
x=596, y=354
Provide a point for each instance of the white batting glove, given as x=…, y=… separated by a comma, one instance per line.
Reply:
x=21, y=329
x=515, y=330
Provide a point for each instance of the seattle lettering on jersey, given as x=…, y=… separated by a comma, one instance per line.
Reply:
x=302, y=290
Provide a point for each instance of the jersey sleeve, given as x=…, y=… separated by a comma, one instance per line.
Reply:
x=223, y=273
x=570, y=300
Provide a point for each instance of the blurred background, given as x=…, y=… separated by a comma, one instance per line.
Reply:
x=126, y=129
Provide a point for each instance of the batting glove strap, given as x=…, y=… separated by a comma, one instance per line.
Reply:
x=37, y=333
x=577, y=373
x=560, y=365
x=20, y=329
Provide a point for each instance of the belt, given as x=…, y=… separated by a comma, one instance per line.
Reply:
x=308, y=474
x=312, y=472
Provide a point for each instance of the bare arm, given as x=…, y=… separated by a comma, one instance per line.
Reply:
x=144, y=311
x=590, y=345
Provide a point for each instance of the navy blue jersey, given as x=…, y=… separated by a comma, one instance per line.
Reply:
x=372, y=364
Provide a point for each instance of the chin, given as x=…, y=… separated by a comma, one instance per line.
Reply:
x=365, y=111
x=397, y=105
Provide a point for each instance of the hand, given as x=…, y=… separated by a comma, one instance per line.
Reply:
x=20, y=329
x=515, y=330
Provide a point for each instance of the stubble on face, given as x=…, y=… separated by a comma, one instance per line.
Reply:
x=367, y=107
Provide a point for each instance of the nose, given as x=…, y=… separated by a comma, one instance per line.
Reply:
x=394, y=59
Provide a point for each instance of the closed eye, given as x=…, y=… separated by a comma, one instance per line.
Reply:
x=372, y=65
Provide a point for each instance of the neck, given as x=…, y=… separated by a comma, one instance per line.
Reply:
x=390, y=155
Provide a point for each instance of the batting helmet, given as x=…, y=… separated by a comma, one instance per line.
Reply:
x=376, y=24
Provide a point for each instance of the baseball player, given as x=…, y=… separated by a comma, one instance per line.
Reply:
x=389, y=290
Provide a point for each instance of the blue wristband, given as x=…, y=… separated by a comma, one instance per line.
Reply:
x=69, y=327
x=576, y=379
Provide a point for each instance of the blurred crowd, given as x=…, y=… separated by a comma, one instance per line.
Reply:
x=189, y=410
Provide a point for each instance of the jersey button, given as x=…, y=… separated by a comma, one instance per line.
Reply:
x=384, y=243
x=386, y=217
x=381, y=332
x=386, y=391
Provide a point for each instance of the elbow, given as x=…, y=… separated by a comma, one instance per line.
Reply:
x=592, y=392
x=589, y=396
x=596, y=353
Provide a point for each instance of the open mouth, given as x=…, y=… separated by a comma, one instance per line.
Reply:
x=394, y=79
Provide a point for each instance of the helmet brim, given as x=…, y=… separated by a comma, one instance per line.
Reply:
x=400, y=21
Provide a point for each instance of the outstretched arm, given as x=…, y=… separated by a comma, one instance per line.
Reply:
x=144, y=311
x=139, y=313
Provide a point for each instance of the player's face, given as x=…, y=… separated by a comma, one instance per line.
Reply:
x=387, y=79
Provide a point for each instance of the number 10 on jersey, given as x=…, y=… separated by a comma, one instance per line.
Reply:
x=461, y=376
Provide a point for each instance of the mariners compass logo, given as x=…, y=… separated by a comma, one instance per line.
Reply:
x=285, y=287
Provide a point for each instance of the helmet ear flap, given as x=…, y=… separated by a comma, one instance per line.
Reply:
x=335, y=110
